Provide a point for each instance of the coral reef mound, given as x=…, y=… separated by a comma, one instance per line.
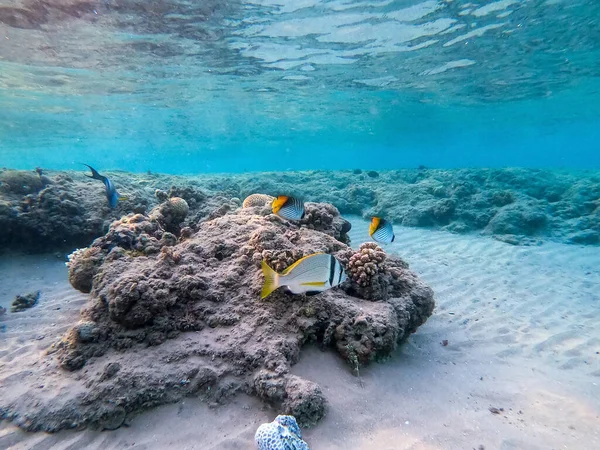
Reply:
x=176, y=315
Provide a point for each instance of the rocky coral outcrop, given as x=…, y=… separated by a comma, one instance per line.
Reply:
x=66, y=210
x=556, y=205
x=171, y=213
x=58, y=211
x=177, y=316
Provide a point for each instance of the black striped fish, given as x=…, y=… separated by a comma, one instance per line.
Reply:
x=288, y=207
x=309, y=275
x=381, y=230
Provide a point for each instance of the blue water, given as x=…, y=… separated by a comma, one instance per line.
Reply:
x=284, y=85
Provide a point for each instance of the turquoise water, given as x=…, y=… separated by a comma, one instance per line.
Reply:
x=178, y=87
x=170, y=277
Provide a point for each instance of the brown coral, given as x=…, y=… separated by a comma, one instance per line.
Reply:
x=82, y=265
x=374, y=275
x=257, y=200
x=191, y=314
x=366, y=263
x=171, y=213
x=279, y=260
x=326, y=218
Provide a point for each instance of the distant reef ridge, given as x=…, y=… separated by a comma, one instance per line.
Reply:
x=47, y=210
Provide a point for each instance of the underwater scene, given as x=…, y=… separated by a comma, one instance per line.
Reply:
x=300, y=224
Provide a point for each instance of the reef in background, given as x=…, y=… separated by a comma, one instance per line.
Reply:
x=175, y=312
x=64, y=210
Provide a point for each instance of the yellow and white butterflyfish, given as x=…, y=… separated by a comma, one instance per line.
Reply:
x=381, y=230
x=289, y=208
x=309, y=275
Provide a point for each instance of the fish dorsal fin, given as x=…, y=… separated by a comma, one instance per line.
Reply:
x=375, y=221
x=290, y=268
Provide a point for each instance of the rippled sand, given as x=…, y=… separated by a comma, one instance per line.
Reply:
x=521, y=326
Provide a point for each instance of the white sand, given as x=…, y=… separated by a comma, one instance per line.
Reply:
x=523, y=330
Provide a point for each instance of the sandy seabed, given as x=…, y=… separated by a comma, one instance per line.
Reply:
x=521, y=325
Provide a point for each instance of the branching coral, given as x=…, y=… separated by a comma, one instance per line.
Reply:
x=366, y=263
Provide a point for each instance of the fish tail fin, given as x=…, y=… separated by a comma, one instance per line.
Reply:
x=95, y=175
x=271, y=280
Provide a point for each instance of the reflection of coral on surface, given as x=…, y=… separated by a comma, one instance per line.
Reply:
x=184, y=317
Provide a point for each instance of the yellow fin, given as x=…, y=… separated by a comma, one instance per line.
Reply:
x=271, y=280
x=278, y=202
x=123, y=198
x=374, y=225
x=290, y=268
x=313, y=283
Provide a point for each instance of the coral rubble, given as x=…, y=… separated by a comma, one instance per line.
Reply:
x=177, y=314
x=23, y=302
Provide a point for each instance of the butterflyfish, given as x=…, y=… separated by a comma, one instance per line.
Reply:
x=112, y=195
x=309, y=275
x=381, y=230
x=288, y=207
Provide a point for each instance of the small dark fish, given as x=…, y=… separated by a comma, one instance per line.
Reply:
x=39, y=171
x=112, y=195
x=288, y=207
x=381, y=230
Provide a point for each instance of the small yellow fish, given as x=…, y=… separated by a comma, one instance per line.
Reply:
x=288, y=207
x=381, y=230
x=309, y=275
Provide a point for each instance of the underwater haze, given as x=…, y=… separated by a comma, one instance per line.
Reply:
x=307, y=224
x=174, y=86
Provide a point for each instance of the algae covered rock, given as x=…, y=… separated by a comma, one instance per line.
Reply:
x=518, y=220
x=22, y=182
x=23, y=302
x=58, y=211
x=164, y=321
x=171, y=213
